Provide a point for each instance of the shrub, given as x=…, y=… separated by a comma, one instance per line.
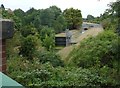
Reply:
x=45, y=56
x=95, y=51
x=47, y=36
x=28, y=46
x=28, y=30
x=49, y=77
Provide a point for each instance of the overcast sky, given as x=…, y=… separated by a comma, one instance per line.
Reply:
x=93, y=7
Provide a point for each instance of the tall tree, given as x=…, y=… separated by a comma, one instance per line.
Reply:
x=90, y=17
x=20, y=13
x=28, y=46
x=57, y=11
x=49, y=15
x=47, y=36
x=60, y=24
x=117, y=6
x=73, y=18
x=115, y=11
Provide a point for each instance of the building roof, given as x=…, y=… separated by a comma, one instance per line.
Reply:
x=7, y=82
x=5, y=20
x=60, y=35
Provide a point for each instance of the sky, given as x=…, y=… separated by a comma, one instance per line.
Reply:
x=92, y=7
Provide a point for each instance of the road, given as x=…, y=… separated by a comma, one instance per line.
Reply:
x=77, y=35
x=93, y=30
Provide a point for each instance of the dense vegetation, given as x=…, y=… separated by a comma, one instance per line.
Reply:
x=73, y=18
x=97, y=51
x=32, y=59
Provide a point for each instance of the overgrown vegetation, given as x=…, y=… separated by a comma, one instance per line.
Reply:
x=33, y=62
x=48, y=76
x=73, y=18
x=96, y=51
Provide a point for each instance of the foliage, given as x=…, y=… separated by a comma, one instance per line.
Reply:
x=19, y=13
x=105, y=23
x=47, y=36
x=108, y=22
x=90, y=17
x=111, y=17
x=49, y=15
x=98, y=56
x=12, y=45
x=28, y=46
x=28, y=30
x=117, y=7
x=49, y=43
x=52, y=57
x=73, y=18
x=47, y=76
x=95, y=51
x=60, y=24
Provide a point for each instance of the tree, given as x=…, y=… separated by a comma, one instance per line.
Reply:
x=28, y=47
x=31, y=17
x=73, y=18
x=52, y=57
x=47, y=36
x=106, y=23
x=28, y=30
x=47, y=17
x=60, y=24
x=49, y=43
x=115, y=12
x=117, y=9
x=90, y=17
x=19, y=13
x=31, y=11
x=57, y=11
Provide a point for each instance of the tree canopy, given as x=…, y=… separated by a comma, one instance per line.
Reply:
x=73, y=18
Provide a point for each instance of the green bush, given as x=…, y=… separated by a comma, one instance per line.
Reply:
x=12, y=45
x=49, y=77
x=95, y=51
x=47, y=36
x=28, y=46
x=45, y=56
x=28, y=30
x=106, y=23
x=36, y=75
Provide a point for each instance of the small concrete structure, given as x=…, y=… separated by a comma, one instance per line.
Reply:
x=60, y=39
x=63, y=39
